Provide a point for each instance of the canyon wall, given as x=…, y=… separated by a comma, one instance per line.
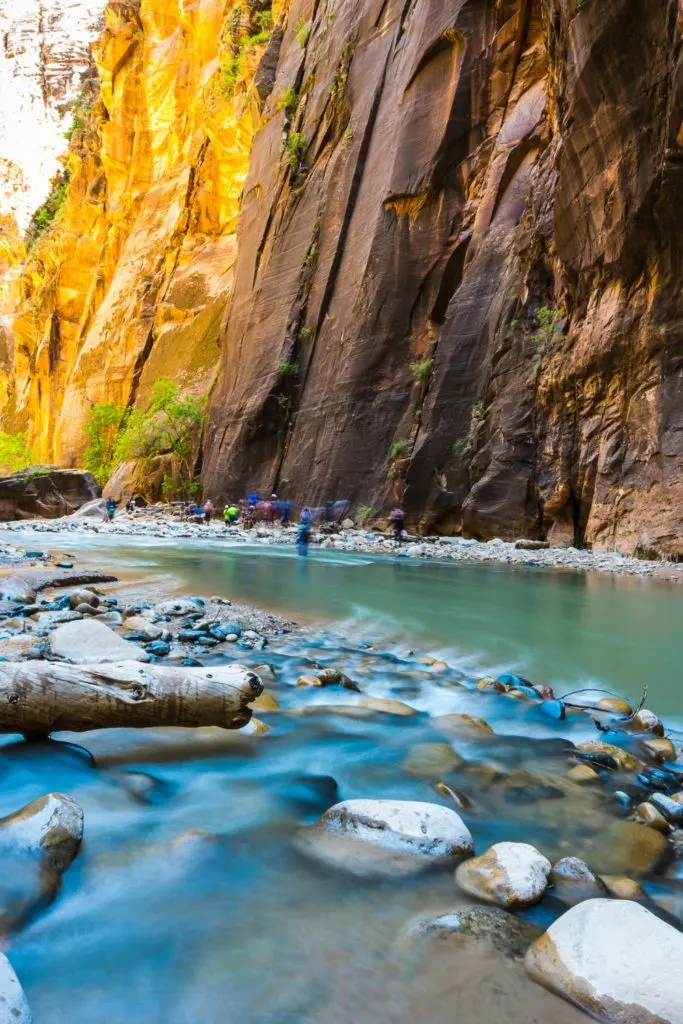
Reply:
x=417, y=250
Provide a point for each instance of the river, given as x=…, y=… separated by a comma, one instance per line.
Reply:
x=190, y=902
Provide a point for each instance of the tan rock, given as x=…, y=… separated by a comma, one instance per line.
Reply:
x=582, y=774
x=431, y=760
x=513, y=875
x=265, y=702
x=388, y=707
x=625, y=761
x=659, y=749
x=622, y=888
x=653, y=818
x=616, y=704
x=467, y=726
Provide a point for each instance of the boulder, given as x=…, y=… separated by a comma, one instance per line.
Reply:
x=13, y=1005
x=95, y=510
x=573, y=882
x=615, y=960
x=49, y=828
x=387, y=837
x=510, y=874
x=45, y=493
x=88, y=641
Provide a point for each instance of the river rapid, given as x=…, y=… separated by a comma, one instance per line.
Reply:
x=190, y=902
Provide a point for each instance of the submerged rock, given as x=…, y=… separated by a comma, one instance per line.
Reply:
x=387, y=837
x=388, y=707
x=88, y=641
x=50, y=828
x=629, y=848
x=652, y=817
x=622, y=888
x=466, y=726
x=583, y=774
x=489, y=925
x=573, y=881
x=511, y=874
x=615, y=960
x=625, y=761
x=432, y=760
x=14, y=1007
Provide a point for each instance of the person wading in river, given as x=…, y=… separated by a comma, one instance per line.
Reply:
x=303, y=533
x=398, y=520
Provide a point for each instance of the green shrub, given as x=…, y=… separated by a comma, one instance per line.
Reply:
x=305, y=334
x=421, y=370
x=289, y=102
x=303, y=32
x=50, y=210
x=363, y=513
x=286, y=369
x=546, y=328
x=295, y=150
x=15, y=453
x=102, y=428
x=399, y=450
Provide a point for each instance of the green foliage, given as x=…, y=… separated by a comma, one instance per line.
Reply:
x=289, y=102
x=102, y=428
x=286, y=369
x=305, y=334
x=312, y=254
x=399, y=450
x=464, y=447
x=233, y=70
x=285, y=407
x=15, y=453
x=421, y=370
x=303, y=32
x=338, y=87
x=77, y=125
x=477, y=415
x=50, y=210
x=295, y=150
x=546, y=329
x=363, y=513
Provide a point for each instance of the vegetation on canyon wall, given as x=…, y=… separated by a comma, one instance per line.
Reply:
x=15, y=453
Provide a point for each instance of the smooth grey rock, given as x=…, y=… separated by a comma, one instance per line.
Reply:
x=14, y=1008
x=90, y=641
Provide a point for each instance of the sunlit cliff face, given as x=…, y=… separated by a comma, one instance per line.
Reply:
x=44, y=53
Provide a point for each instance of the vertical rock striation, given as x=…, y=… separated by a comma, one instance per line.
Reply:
x=424, y=250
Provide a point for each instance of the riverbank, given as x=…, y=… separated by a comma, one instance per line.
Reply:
x=158, y=524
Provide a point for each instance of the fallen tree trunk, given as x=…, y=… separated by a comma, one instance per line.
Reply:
x=23, y=586
x=38, y=697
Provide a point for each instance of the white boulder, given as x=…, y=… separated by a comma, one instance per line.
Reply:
x=13, y=1006
x=614, y=959
x=176, y=607
x=509, y=874
x=388, y=837
x=50, y=828
x=88, y=641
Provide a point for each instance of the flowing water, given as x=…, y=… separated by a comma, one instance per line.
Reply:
x=191, y=903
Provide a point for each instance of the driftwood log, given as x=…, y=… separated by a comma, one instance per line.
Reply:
x=39, y=697
x=23, y=586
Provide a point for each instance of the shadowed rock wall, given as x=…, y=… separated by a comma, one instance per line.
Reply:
x=494, y=186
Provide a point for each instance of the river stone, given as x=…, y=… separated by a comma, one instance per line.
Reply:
x=387, y=837
x=89, y=641
x=622, y=888
x=616, y=704
x=653, y=818
x=630, y=848
x=659, y=749
x=615, y=960
x=388, y=707
x=432, y=760
x=625, y=761
x=647, y=721
x=139, y=624
x=511, y=874
x=175, y=607
x=670, y=807
x=334, y=677
x=50, y=827
x=467, y=726
x=573, y=882
x=264, y=702
x=83, y=597
x=13, y=1005
x=582, y=774
x=491, y=925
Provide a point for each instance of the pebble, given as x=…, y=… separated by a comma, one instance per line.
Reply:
x=514, y=875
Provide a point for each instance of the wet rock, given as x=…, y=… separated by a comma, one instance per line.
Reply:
x=388, y=707
x=432, y=760
x=158, y=648
x=139, y=624
x=659, y=749
x=615, y=960
x=573, y=882
x=265, y=702
x=653, y=818
x=387, y=837
x=460, y=928
x=334, y=677
x=532, y=545
x=511, y=874
x=622, y=888
x=466, y=726
x=494, y=685
x=230, y=628
x=79, y=597
x=14, y=1007
x=625, y=761
x=629, y=848
x=554, y=709
x=90, y=641
x=50, y=828
x=46, y=494
x=175, y=607
x=583, y=774
x=615, y=704
x=647, y=721
x=669, y=806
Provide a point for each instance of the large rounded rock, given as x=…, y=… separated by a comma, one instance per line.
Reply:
x=388, y=837
x=464, y=726
x=625, y=762
x=629, y=848
x=88, y=641
x=13, y=1005
x=50, y=828
x=510, y=874
x=615, y=960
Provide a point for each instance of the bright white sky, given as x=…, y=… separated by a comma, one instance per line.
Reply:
x=44, y=48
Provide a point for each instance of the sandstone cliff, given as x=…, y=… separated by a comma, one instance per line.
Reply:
x=429, y=248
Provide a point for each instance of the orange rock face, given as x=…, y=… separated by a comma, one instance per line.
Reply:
x=451, y=225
